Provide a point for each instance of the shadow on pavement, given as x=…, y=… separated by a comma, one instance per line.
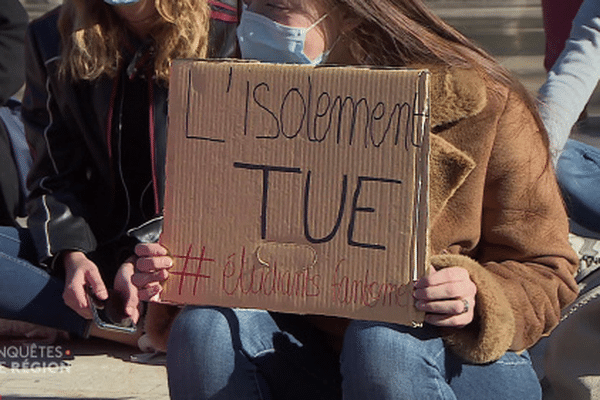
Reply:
x=13, y=352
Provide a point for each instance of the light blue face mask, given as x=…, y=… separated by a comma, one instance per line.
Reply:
x=120, y=2
x=263, y=39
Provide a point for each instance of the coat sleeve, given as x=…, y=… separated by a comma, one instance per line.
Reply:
x=573, y=78
x=523, y=264
x=56, y=182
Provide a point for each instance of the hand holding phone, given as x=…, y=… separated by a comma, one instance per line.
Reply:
x=110, y=314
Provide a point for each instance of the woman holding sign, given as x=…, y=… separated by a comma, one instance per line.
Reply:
x=95, y=114
x=501, y=265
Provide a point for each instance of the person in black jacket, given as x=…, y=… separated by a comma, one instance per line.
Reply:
x=13, y=22
x=95, y=115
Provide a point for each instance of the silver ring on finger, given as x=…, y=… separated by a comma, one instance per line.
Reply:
x=466, y=306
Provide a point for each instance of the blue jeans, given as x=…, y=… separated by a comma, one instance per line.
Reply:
x=578, y=174
x=216, y=353
x=29, y=293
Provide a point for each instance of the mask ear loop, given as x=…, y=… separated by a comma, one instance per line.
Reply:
x=317, y=22
x=326, y=52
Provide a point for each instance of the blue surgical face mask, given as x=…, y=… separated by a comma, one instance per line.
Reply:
x=120, y=2
x=263, y=39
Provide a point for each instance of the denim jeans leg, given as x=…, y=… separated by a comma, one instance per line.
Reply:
x=511, y=377
x=219, y=353
x=206, y=358
x=384, y=361
x=578, y=174
x=29, y=293
x=387, y=361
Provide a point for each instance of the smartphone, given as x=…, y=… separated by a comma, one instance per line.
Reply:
x=109, y=314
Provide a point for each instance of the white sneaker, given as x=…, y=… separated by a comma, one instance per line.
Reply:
x=145, y=344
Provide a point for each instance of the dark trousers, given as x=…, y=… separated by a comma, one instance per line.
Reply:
x=10, y=194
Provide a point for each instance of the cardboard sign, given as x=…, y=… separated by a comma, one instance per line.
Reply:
x=297, y=189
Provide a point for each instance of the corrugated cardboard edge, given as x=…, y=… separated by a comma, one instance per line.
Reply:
x=420, y=133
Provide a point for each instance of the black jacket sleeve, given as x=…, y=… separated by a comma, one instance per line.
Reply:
x=57, y=181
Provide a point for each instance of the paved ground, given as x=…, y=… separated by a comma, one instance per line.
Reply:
x=92, y=369
x=511, y=30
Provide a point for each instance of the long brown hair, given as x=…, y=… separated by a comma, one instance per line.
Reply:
x=92, y=36
x=406, y=32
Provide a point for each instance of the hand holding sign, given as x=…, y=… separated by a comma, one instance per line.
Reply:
x=151, y=269
x=447, y=296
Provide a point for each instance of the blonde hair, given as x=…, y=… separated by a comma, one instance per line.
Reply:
x=92, y=36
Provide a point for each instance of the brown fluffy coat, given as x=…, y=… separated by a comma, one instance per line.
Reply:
x=495, y=210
